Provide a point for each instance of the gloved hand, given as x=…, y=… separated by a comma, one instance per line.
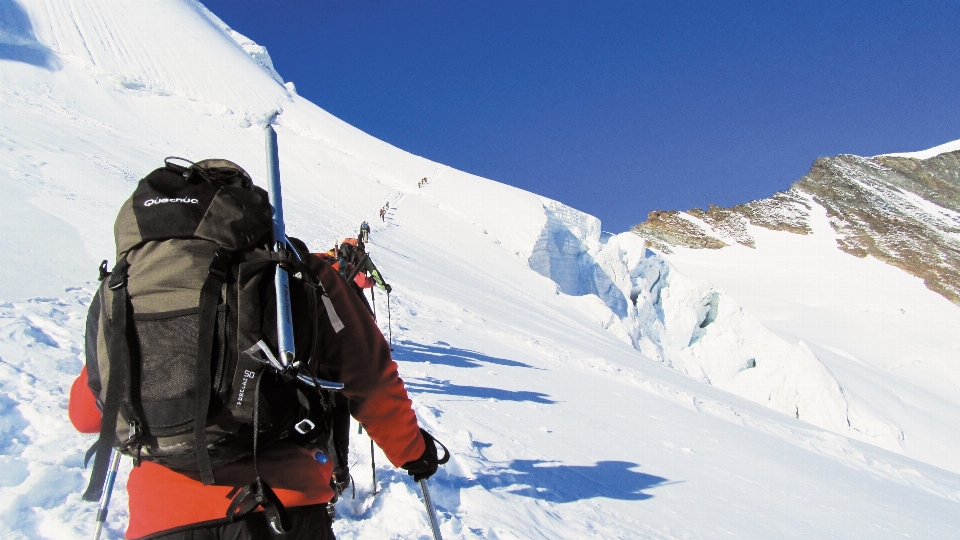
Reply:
x=342, y=480
x=389, y=289
x=426, y=465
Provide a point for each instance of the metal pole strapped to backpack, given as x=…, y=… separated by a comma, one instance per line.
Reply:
x=281, y=279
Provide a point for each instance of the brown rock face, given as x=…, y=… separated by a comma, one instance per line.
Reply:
x=665, y=229
x=903, y=211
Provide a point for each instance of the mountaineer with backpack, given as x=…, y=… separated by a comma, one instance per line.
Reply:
x=355, y=265
x=352, y=259
x=364, y=235
x=353, y=262
x=181, y=374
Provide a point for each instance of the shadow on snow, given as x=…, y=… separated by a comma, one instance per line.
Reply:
x=442, y=353
x=554, y=483
x=17, y=41
x=430, y=385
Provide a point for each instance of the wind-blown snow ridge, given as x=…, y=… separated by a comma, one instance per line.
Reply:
x=564, y=367
x=951, y=146
x=257, y=52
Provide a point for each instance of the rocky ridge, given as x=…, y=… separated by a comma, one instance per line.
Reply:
x=902, y=210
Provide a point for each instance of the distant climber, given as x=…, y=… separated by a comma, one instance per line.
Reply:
x=364, y=232
x=383, y=214
x=350, y=258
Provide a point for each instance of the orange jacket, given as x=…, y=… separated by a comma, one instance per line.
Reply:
x=361, y=279
x=358, y=356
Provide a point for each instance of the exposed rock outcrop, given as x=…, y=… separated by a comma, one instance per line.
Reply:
x=903, y=211
x=665, y=229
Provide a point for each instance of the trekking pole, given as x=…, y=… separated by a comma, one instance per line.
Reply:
x=280, y=277
x=389, y=326
x=373, y=302
x=107, y=491
x=431, y=511
x=373, y=468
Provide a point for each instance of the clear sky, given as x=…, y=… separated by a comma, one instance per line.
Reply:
x=620, y=108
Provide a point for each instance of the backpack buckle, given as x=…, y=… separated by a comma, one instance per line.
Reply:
x=220, y=265
x=132, y=435
x=304, y=426
x=118, y=278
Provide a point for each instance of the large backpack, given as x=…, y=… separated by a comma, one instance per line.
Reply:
x=351, y=252
x=180, y=332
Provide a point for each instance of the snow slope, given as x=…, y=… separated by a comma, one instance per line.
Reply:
x=888, y=342
x=513, y=317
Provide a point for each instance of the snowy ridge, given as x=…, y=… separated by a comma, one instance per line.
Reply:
x=951, y=146
x=257, y=52
x=564, y=367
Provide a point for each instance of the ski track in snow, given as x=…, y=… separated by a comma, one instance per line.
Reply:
x=586, y=386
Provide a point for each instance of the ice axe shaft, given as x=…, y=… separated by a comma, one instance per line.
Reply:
x=431, y=511
x=281, y=278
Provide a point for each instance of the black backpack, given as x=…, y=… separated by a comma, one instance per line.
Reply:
x=180, y=332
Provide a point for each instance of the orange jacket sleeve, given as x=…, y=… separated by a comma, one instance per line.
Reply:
x=84, y=414
x=359, y=357
x=364, y=281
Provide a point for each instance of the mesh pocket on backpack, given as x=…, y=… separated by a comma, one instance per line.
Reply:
x=168, y=359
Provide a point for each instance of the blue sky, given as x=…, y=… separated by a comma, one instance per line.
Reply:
x=620, y=108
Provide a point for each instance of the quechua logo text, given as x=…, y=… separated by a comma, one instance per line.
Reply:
x=158, y=200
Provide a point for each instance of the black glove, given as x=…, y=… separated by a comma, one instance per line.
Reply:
x=427, y=464
x=389, y=289
x=342, y=480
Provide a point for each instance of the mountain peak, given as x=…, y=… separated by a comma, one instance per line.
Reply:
x=903, y=211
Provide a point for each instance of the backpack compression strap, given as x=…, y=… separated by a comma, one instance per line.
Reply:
x=118, y=354
x=209, y=298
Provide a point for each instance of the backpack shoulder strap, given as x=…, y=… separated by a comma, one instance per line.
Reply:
x=118, y=354
x=209, y=298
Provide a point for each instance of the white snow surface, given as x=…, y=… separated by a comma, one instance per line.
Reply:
x=586, y=386
x=926, y=154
